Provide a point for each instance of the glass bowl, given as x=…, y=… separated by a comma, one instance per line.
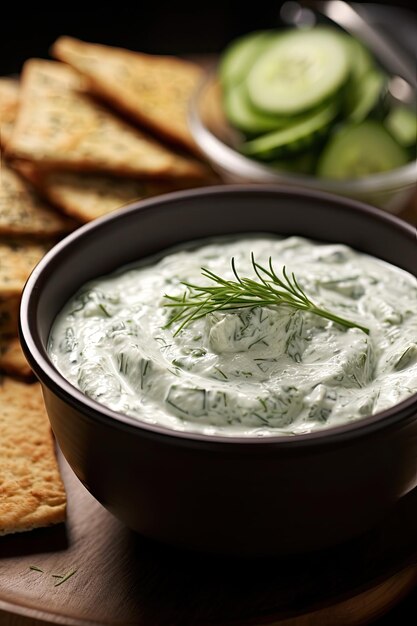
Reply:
x=218, y=143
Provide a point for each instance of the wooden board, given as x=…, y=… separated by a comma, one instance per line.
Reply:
x=124, y=579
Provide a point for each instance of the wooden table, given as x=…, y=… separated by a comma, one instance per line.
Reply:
x=123, y=579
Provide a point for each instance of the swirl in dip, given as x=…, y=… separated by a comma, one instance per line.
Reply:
x=254, y=372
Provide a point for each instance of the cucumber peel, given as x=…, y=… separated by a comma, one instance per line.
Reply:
x=364, y=95
x=243, y=115
x=293, y=138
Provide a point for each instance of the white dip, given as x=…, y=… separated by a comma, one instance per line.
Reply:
x=253, y=372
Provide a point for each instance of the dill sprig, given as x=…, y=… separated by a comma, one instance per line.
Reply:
x=225, y=295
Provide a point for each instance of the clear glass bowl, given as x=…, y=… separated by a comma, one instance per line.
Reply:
x=218, y=142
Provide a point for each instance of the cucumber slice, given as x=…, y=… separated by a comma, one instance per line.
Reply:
x=298, y=71
x=358, y=150
x=293, y=138
x=238, y=57
x=361, y=60
x=401, y=122
x=364, y=95
x=244, y=116
x=366, y=85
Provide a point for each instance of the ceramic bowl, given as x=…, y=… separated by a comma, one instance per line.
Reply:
x=231, y=495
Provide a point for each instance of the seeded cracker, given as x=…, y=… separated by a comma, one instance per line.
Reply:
x=17, y=260
x=154, y=90
x=12, y=359
x=31, y=490
x=59, y=127
x=24, y=213
x=88, y=196
x=9, y=313
x=9, y=102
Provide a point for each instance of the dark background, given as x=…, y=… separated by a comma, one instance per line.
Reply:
x=155, y=26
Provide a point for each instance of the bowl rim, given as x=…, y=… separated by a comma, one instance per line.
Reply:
x=48, y=374
x=227, y=158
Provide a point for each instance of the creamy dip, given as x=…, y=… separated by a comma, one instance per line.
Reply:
x=253, y=372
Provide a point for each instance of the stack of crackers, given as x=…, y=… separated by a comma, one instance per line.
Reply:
x=80, y=136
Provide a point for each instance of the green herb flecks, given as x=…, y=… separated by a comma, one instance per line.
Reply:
x=226, y=295
x=222, y=374
x=64, y=578
x=59, y=578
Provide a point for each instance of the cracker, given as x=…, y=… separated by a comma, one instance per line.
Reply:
x=88, y=196
x=17, y=260
x=12, y=359
x=9, y=313
x=24, y=213
x=58, y=126
x=154, y=90
x=9, y=103
x=32, y=493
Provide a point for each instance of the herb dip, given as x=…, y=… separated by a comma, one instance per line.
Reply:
x=254, y=372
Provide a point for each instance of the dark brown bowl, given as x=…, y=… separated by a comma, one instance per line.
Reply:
x=230, y=495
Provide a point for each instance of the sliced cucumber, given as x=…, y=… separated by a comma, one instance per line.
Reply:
x=361, y=60
x=364, y=95
x=238, y=57
x=358, y=150
x=298, y=71
x=243, y=115
x=286, y=91
x=293, y=138
x=401, y=122
x=365, y=88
